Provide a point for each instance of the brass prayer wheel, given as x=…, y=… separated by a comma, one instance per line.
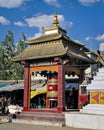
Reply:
x=52, y=88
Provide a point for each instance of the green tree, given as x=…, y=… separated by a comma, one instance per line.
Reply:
x=21, y=44
x=19, y=48
x=2, y=64
x=8, y=68
x=7, y=50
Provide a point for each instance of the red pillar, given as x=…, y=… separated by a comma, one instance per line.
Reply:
x=26, y=87
x=81, y=75
x=80, y=81
x=61, y=89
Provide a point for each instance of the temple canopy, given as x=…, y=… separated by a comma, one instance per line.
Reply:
x=54, y=56
x=45, y=46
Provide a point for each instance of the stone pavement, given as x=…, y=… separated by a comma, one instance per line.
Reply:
x=6, y=125
x=21, y=126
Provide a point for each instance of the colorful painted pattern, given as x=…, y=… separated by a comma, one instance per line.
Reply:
x=101, y=95
x=96, y=97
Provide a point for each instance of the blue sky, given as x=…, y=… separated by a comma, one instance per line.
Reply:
x=83, y=19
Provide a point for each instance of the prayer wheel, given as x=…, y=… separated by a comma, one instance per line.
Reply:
x=52, y=88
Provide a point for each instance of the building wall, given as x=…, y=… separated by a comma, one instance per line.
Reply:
x=102, y=49
x=89, y=72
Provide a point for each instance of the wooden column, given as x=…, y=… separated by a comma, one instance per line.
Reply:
x=26, y=87
x=81, y=75
x=80, y=81
x=61, y=89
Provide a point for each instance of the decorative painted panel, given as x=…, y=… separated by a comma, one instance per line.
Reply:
x=101, y=97
x=94, y=97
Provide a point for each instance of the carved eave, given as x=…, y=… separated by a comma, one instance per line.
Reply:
x=42, y=51
x=44, y=38
x=53, y=49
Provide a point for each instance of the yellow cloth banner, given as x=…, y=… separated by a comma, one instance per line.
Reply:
x=36, y=92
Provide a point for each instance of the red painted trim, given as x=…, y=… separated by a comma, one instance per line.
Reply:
x=61, y=89
x=26, y=88
x=42, y=110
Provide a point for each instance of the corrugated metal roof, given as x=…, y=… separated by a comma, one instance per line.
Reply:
x=38, y=86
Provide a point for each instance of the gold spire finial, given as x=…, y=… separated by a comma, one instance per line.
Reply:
x=55, y=21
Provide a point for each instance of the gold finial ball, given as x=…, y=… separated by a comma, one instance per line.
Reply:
x=55, y=22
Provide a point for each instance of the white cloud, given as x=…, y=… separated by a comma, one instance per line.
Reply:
x=87, y=38
x=4, y=21
x=53, y=2
x=39, y=21
x=35, y=36
x=88, y=2
x=46, y=21
x=19, y=23
x=100, y=37
x=11, y=3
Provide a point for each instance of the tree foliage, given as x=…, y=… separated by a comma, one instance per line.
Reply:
x=9, y=69
x=21, y=45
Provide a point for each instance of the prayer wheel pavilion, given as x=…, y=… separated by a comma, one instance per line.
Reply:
x=58, y=60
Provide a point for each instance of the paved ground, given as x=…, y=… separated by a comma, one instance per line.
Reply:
x=5, y=125
x=20, y=126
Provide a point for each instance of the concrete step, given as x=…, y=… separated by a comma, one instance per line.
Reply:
x=94, y=87
x=42, y=113
x=51, y=118
x=97, y=82
x=100, y=74
x=84, y=120
x=98, y=78
x=101, y=70
x=93, y=109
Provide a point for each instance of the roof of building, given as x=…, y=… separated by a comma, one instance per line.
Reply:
x=42, y=51
x=45, y=38
x=52, y=44
x=50, y=50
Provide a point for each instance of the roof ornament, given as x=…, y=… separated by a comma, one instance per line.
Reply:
x=55, y=21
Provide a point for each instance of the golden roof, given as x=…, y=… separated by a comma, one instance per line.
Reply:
x=45, y=38
x=76, y=53
x=52, y=45
x=51, y=50
x=42, y=51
